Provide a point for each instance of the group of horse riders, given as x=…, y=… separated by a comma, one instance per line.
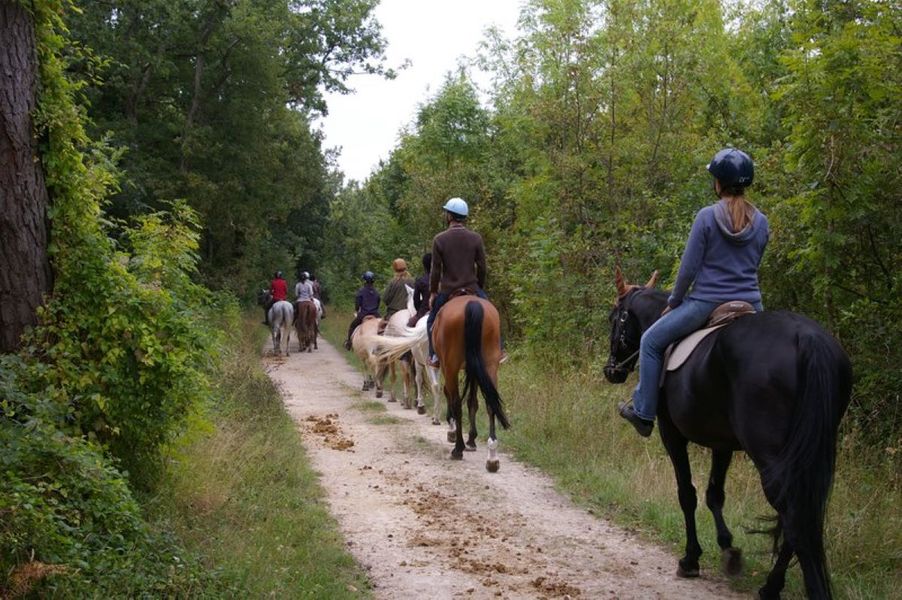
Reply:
x=456, y=266
x=720, y=264
x=784, y=413
x=307, y=289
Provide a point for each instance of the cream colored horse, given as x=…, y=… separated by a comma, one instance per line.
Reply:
x=364, y=341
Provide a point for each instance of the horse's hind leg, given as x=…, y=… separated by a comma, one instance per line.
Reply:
x=676, y=448
x=455, y=408
x=776, y=579
x=472, y=408
x=714, y=498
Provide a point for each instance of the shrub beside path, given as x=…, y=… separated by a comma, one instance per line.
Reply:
x=426, y=527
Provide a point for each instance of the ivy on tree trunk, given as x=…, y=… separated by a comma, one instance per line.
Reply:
x=25, y=274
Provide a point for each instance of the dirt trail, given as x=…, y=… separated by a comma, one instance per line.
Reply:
x=427, y=527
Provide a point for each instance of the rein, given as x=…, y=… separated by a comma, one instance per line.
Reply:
x=624, y=361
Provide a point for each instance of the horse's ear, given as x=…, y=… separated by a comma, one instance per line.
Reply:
x=653, y=281
x=618, y=280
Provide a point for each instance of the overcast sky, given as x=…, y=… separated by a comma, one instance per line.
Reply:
x=432, y=34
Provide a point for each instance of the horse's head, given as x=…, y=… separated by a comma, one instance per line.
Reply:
x=264, y=297
x=637, y=307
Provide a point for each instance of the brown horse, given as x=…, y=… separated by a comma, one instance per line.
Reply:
x=305, y=324
x=467, y=335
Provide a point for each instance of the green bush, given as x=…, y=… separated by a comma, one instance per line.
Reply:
x=69, y=525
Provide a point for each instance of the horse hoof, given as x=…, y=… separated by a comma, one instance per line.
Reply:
x=457, y=455
x=421, y=410
x=731, y=561
x=766, y=594
x=492, y=466
x=471, y=447
x=436, y=422
x=687, y=572
x=379, y=394
x=452, y=437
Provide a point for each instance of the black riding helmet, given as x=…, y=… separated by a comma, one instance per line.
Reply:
x=368, y=277
x=278, y=275
x=732, y=168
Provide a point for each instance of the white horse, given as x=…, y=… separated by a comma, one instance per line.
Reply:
x=319, y=312
x=415, y=341
x=281, y=321
x=396, y=327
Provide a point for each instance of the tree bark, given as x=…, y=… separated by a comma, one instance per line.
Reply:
x=25, y=274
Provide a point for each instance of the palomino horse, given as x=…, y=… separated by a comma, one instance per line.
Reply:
x=281, y=316
x=364, y=341
x=415, y=341
x=466, y=335
x=305, y=323
x=773, y=384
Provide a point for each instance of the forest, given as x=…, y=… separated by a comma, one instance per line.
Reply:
x=161, y=158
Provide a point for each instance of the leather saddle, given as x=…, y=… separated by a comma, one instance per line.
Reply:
x=678, y=352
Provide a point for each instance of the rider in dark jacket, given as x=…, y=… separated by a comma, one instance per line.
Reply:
x=458, y=263
x=365, y=304
x=421, y=292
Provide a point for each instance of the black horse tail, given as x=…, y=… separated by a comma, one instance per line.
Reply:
x=476, y=373
x=799, y=482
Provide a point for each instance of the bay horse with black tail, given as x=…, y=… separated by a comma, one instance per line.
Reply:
x=305, y=323
x=773, y=384
x=467, y=335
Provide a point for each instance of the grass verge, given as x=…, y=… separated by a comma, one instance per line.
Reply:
x=566, y=424
x=241, y=494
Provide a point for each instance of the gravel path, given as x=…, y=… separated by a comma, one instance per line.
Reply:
x=426, y=527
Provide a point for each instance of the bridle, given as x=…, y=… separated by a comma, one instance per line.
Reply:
x=623, y=317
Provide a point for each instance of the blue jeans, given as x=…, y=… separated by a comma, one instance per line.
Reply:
x=689, y=316
x=440, y=300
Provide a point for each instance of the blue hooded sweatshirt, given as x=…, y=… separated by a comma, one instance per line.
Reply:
x=719, y=264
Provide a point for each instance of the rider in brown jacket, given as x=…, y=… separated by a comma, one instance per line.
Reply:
x=458, y=263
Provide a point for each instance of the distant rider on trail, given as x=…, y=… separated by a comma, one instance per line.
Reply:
x=421, y=292
x=366, y=304
x=278, y=290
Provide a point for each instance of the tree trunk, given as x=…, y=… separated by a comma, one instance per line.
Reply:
x=25, y=274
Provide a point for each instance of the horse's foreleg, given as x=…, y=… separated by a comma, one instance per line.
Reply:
x=676, y=448
x=434, y=385
x=418, y=382
x=714, y=498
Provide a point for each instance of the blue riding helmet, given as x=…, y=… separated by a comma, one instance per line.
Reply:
x=457, y=206
x=369, y=277
x=732, y=167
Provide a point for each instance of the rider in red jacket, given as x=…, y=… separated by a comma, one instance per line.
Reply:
x=278, y=290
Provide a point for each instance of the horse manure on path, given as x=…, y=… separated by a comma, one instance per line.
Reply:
x=423, y=526
x=327, y=427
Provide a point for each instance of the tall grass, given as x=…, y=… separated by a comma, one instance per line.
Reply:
x=241, y=493
x=566, y=424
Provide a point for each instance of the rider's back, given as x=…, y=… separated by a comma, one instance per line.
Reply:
x=458, y=260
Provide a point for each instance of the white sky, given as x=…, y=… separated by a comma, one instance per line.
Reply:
x=433, y=34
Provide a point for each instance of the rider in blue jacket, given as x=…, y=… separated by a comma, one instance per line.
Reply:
x=720, y=262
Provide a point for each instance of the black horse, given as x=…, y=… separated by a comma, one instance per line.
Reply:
x=773, y=384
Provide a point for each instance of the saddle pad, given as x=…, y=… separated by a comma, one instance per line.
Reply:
x=678, y=353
